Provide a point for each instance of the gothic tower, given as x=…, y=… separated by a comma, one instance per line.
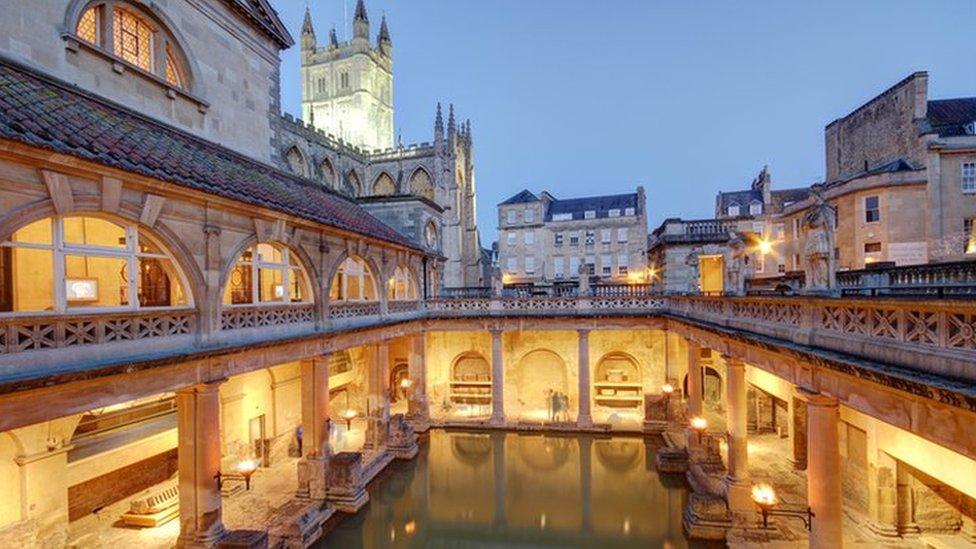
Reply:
x=347, y=87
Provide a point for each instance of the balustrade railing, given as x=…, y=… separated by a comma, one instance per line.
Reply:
x=465, y=292
x=353, y=309
x=33, y=333
x=952, y=280
x=258, y=316
x=403, y=306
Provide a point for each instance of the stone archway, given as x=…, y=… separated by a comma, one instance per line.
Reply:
x=540, y=375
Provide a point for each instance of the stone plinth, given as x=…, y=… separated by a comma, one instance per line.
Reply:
x=417, y=415
x=244, y=539
x=297, y=524
x=706, y=517
x=402, y=442
x=346, y=484
x=671, y=460
x=312, y=478
x=655, y=414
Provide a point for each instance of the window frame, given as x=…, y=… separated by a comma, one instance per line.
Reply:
x=877, y=209
x=61, y=249
x=286, y=267
x=967, y=182
x=343, y=293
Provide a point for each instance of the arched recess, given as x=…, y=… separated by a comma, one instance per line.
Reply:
x=353, y=279
x=711, y=386
x=402, y=285
x=81, y=262
x=268, y=273
x=296, y=161
x=354, y=184
x=470, y=366
x=384, y=185
x=85, y=18
x=421, y=184
x=328, y=173
x=617, y=381
x=398, y=373
x=542, y=376
x=432, y=236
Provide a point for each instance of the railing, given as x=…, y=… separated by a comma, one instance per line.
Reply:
x=549, y=305
x=621, y=290
x=55, y=332
x=952, y=280
x=466, y=292
x=403, y=306
x=707, y=227
x=785, y=284
x=353, y=309
x=257, y=316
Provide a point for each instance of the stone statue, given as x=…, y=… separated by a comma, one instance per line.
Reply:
x=496, y=281
x=584, y=278
x=818, y=249
x=738, y=269
x=691, y=261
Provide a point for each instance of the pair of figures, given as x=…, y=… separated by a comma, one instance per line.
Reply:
x=558, y=405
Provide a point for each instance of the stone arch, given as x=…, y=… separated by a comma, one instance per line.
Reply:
x=403, y=283
x=370, y=285
x=303, y=260
x=295, y=159
x=538, y=373
x=384, y=185
x=421, y=184
x=432, y=236
x=470, y=366
x=618, y=363
x=354, y=184
x=711, y=385
x=172, y=245
x=398, y=373
x=328, y=173
x=192, y=82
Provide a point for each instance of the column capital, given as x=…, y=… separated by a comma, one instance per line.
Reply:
x=733, y=361
x=496, y=331
x=205, y=387
x=815, y=398
x=583, y=331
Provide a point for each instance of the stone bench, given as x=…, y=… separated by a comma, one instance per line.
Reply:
x=159, y=507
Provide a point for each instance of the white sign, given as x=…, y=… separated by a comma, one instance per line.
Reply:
x=908, y=253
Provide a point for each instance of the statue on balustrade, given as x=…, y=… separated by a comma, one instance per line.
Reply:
x=692, y=262
x=740, y=267
x=820, y=267
x=496, y=282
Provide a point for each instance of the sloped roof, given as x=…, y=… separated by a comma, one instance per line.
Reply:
x=949, y=116
x=264, y=18
x=42, y=112
x=599, y=204
x=521, y=198
x=783, y=197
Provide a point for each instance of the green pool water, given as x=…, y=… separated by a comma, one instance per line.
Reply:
x=513, y=490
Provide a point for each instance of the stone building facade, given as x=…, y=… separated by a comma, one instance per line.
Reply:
x=544, y=239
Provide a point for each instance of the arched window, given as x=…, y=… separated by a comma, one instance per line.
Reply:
x=420, y=184
x=356, y=188
x=328, y=174
x=267, y=273
x=128, y=33
x=401, y=286
x=384, y=185
x=296, y=162
x=79, y=263
x=353, y=282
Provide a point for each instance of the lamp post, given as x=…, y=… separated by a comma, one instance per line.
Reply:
x=766, y=500
x=667, y=390
x=699, y=424
x=246, y=468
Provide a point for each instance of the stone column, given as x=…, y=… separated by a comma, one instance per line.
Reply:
x=905, y=498
x=497, y=379
x=315, y=428
x=823, y=472
x=379, y=395
x=418, y=410
x=584, y=418
x=882, y=495
x=694, y=396
x=198, y=426
x=737, y=485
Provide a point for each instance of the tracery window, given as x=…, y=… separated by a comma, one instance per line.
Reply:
x=267, y=274
x=353, y=282
x=133, y=37
x=401, y=286
x=78, y=263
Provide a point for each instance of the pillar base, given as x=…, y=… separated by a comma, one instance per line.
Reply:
x=738, y=495
x=244, y=539
x=346, y=483
x=672, y=460
x=297, y=524
x=882, y=530
x=496, y=421
x=706, y=517
x=402, y=441
x=201, y=541
x=312, y=473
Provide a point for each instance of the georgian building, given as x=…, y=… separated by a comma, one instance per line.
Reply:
x=544, y=239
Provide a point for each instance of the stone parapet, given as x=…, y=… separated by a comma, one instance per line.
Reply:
x=297, y=524
x=346, y=482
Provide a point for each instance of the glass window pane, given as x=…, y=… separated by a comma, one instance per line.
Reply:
x=93, y=281
x=27, y=279
x=298, y=288
x=92, y=231
x=88, y=26
x=159, y=284
x=369, y=289
x=147, y=245
x=271, y=285
x=239, y=287
x=269, y=254
x=38, y=232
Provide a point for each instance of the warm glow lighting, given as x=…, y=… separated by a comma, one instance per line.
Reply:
x=635, y=278
x=349, y=415
x=410, y=527
x=764, y=495
x=247, y=467
x=667, y=388
x=405, y=383
x=699, y=423
x=507, y=278
x=765, y=247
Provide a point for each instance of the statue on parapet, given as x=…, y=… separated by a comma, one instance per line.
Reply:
x=818, y=249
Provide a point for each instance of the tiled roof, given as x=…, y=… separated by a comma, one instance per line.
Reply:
x=265, y=18
x=42, y=112
x=521, y=198
x=599, y=204
x=949, y=116
x=788, y=196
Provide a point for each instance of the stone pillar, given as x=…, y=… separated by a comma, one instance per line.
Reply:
x=497, y=379
x=198, y=426
x=584, y=418
x=737, y=484
x=586, y=483
x=378, y=396
x=798, y=433
x=315, y=428
x=418, y=409
x=882, y=496
x=824, y=472
x=694, y=396
x=905, y=497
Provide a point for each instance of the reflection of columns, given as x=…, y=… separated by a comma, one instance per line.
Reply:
x=498, y=471
x=823, y=471
x=497, y=379
x=378, y=396
x=586, y=460
x=418, y=411
x=315, y=428
x=694, y=395
x=583, y=418
x=198, y=426
x=737, y=481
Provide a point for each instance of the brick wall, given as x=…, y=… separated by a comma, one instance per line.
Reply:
x=120, y=484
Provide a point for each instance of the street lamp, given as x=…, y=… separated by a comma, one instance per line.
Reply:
x=348, y=416
x=699, y=425
x=667, y=390
x=246, y=468
x=765, y=499
x=765, y=247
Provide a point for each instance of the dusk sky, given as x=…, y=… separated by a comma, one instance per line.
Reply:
x=581, y=97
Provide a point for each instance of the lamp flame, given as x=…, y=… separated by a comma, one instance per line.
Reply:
x=764, y=495
x=699, y=423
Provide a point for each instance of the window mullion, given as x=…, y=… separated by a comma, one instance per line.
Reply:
x=255, y=283
x=106, y=22
x=60, y=298
x=132, y=244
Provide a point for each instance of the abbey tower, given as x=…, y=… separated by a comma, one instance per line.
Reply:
x=347, y=87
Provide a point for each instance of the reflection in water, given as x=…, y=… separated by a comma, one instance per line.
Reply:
x=478, y=490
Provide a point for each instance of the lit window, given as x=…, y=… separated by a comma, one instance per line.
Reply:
x=401, y=287
x=353, y=282
x=133, y=39
x=266, y=273
x=872, y=209
x=87, y=28
x=96, y=258
x=969, y=236
x=969, y=177
x=173, y=75
x=733, y=210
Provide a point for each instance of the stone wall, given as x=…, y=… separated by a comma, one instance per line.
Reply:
x=119, y=484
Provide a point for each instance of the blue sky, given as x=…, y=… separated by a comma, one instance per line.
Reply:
x=583, y=97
